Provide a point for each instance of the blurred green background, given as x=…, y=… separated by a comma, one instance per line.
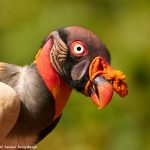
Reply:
x=124, y=26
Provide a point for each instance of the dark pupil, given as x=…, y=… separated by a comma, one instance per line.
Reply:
x=79, y=48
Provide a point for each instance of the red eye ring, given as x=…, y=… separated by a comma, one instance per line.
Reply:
x=78, y=49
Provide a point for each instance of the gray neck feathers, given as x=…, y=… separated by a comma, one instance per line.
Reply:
x=37, y=103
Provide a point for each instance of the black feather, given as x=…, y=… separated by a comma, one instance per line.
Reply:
x=63, y=35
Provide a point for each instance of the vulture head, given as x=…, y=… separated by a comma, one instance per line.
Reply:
x=83, y=62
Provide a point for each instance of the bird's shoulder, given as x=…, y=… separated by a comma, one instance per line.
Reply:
x=33, y=94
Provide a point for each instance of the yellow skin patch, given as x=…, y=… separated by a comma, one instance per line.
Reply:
x=37, y=55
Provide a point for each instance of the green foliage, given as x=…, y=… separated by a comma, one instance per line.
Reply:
x=124, y=28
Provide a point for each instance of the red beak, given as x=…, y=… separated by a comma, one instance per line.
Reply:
x=103, y=80
x=101, y=92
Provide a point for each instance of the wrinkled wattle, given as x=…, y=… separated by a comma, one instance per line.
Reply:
x=110, y=80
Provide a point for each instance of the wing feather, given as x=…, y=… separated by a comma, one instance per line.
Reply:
x=9, y=110
x=9, y=100
x=9, y=74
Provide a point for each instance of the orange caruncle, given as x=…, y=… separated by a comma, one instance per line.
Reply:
x=99, y=67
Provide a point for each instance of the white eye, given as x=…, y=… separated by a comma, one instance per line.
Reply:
x=78, y=49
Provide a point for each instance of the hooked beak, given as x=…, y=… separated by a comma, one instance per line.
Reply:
x=103, y=80
x=101, y=92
